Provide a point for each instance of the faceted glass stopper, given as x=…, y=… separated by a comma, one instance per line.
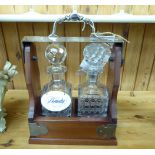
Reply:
x=55, y=53
x=96, y=55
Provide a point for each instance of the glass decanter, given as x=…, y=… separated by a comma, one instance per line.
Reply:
x=56, y=95
x=92, y=95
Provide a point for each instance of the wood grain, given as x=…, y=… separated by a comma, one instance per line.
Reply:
x=21, y=8
x=13, y=45
x=3, y=54
x=70, y=8
x=134, y=112
x=97, y=9
x=17, y=30
x=151, y=85
x=105, y=9
x=60, y=27
x=39, y=8
x=146, y=58
x=55, y=9
x=86, y=9
x=25, y=29
x=125, y=8
x=101, y=27
x=6, y=9
x=41, y=29
x=140, y=10
x=122, y=30
x=133, y=50
x=151, y=10
x=73, y=57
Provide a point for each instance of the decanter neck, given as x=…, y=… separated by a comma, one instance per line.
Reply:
x=57, y=72
x=92, y=78
x=58, y=76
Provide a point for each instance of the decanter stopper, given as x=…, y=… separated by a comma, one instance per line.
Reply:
x=96, y=55
x=56, y=54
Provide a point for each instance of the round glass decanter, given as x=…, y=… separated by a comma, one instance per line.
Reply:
x=92, y=95
x=56, y=95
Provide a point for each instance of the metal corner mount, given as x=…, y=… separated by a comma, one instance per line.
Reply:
x=37, y=129
x=106, y=131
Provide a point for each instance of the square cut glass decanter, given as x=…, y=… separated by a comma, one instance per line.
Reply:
x=93, y=96
x=56, y=97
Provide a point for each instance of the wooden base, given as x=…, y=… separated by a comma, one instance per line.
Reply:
x=73, y=130
x=72, y=141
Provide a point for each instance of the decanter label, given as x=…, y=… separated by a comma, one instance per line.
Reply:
x=55, y=100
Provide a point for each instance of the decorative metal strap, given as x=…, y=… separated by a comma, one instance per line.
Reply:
x=73, y=17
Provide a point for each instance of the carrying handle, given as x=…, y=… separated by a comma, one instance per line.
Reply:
x=74, y=16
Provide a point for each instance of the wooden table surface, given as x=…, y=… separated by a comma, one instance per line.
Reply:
x=136, y=122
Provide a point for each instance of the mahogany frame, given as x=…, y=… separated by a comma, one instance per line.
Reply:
x=71, y=130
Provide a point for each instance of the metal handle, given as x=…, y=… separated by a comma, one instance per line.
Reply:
x=73, y=17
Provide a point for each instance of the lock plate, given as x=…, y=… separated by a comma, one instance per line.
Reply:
x=106, y=131
x=37, y=129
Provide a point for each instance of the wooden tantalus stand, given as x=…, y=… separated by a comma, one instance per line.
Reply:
x=71, y=130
